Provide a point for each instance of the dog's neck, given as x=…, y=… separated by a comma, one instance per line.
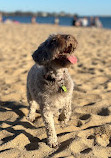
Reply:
x=57, y=77
x=54, y=74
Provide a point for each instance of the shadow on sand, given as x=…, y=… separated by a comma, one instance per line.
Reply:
x=17, y=108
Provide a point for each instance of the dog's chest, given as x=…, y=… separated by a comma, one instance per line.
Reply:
x=61, y=87
x=59, y=97
x=60, y=84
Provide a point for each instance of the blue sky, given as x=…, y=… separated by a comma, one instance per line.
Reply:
x=81, y=7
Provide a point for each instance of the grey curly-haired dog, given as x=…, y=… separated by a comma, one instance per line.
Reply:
x=49, y=84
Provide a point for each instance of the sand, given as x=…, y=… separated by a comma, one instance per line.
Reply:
x=88, y=134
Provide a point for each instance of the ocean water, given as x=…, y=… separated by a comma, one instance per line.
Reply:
x=65, y=21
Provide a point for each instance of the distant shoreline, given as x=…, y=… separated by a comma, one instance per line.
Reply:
x=63, y=20
x=42, y=14
x=46, y=14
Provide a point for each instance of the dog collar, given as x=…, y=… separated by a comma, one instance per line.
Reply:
x=64, y=88
x=60, y=82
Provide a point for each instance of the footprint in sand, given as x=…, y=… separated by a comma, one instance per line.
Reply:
x=104, y=112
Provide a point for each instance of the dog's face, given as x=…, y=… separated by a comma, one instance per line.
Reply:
x=57, y=49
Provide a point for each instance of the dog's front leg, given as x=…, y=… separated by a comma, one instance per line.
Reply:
x=50, y=128
x=66, y=114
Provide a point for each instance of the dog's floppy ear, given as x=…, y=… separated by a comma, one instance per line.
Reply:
x=41, y=55
x=46, y=51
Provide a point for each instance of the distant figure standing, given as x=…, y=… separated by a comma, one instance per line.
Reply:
x=74, y=20
x=56, y=21
x=1, y=19
x=98, y=23
x=92, y=21
x=84, y=22
x=33, y=20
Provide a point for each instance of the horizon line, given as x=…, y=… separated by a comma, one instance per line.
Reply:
x=100, y=15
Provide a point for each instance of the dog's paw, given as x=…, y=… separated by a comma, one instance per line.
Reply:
x=31, y=119
x=63, y=124
x=53, y=144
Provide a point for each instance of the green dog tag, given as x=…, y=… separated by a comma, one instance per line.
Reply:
x=64, y=88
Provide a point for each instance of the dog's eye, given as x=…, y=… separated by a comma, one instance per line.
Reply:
x=52, y=43
x=68, y=37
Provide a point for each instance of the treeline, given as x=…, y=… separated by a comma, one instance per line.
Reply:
x=28, y=13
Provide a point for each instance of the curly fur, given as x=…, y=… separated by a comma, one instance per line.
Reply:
x=45, y=81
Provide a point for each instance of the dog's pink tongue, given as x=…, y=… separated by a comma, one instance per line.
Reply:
x=72, y=59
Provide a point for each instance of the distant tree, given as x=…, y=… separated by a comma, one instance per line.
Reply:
x=39, y=13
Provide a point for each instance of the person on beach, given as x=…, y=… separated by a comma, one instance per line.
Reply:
x=76, y=22
x=98, y=23
x=84, y=22
x=33, y=20
x=56, y=21
x=92, y=21
x=1, y=18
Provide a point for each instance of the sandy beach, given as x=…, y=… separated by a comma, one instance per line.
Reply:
x=88, y=134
